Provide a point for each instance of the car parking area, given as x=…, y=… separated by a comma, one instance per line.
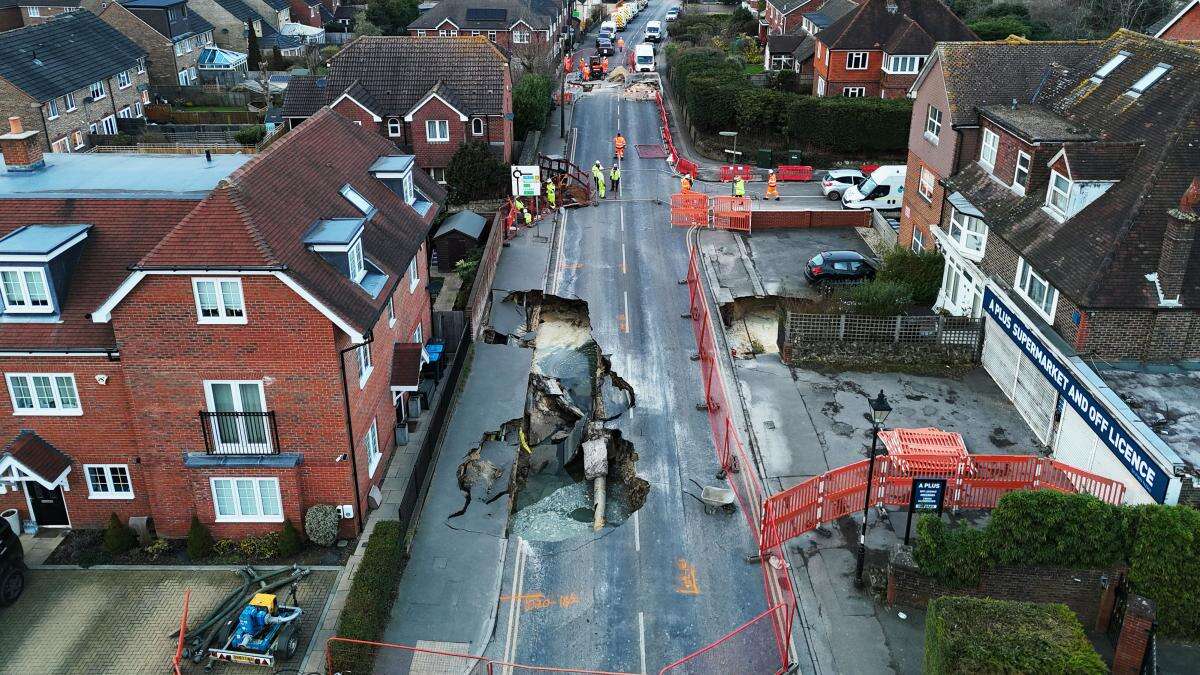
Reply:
x=119, y=621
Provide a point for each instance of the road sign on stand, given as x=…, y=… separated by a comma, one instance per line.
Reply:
x=927, y=494
x=526, y=181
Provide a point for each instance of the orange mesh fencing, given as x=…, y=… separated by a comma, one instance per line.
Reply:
x=738, y=652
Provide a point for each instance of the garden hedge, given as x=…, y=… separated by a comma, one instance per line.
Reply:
x=369, y=604
x=981, y=635
x=1159, y=544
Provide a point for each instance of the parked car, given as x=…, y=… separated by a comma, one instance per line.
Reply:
x=833, y=266
x=673, y=14
x=12, y=565
x=654, y=31
x=604, y=47
x=883, y=190
x=835, y=182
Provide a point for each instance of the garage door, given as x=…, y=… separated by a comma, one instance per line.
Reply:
x=1020, y=380
x=1077, y=445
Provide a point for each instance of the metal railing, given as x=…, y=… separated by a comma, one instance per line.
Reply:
x=239, y=433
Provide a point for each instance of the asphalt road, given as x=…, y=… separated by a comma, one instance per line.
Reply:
x=671, y=579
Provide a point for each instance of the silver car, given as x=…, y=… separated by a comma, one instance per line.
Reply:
x=835, y=182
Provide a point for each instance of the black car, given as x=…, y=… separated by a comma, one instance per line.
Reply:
x=838, y=266
x=12, y=565
x=604, y=47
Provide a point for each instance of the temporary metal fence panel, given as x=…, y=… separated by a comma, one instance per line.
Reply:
x=731, y=213
x=956, y=332
x=740, y=652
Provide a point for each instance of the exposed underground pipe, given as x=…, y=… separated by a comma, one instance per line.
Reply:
x=598, y=499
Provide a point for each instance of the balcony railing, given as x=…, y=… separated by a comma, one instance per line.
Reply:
x=239, y=433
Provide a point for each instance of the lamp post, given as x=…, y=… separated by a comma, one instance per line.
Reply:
x=879, y=412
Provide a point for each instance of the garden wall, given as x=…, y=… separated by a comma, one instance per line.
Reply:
x=775, y=220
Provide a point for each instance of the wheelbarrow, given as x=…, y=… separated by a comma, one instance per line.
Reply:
x=714, y=498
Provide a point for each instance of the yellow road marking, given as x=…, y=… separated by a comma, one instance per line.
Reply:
x=687, y=578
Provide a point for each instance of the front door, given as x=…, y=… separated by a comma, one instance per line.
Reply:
x=49, y=507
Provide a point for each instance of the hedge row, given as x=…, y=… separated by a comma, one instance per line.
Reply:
x=368, y=606
x=718, y=96
x=1160, y=544
x=980, y=635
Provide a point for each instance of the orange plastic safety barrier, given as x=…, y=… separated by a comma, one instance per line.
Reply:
x=731, y=213
x=794, y=172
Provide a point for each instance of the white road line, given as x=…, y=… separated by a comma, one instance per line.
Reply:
x=642, y=638
x=637, y=532
x=627, y=322
x=514, y=610
x=623, y=267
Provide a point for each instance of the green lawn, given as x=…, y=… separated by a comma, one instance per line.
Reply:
x=754, y=68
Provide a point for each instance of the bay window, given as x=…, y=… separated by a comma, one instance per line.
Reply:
x=968, y=232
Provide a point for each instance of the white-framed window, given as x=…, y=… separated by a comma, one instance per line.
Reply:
x=414, y=274
x=109, y=125
x=183, y=78
x=26, y=290
x=989, y=148
x=904, y=65
x=410, y=195
x=179, y=48
x=969, y=232
x=925, y=187
x=43, y=394
x=92, y=128
x=933, y=124
x=193, y=75
x=52, y=109
x=474, y=33
x=98, y=90
x=1148, y=79
x=856, y=60
x=437, y=131
x=108, y=481
x=820, y=86
x=1058, y=193
x=1034, y=288
x=77, y=139
x=138, y=110
x=60, y=145
x=393, y=126
x=371, y=445
x=477, y=126
x=247, y=500
x=418, y=336
x=391, y=311
x=918, y=239
x=438, y=174
x=420, y=33
x=354, y=260
x=854, y=92
x=520, y=37
x=961, y=293
x=123, y=80
x=219, y=300
x=360, y=202
x=1110, y=66
x=365, y=364
x=125, y=113
x=34, y=12
x=69, y=102
x=141, y=66
x=240, y=414
x=1021, y=172
x=492, y=35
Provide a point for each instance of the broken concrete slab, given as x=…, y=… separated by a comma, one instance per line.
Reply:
x=595, y=458
x=523, y=262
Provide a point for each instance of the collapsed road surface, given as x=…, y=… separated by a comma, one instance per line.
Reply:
x=669, y=579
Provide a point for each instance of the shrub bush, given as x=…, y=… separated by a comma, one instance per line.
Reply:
x=289, y=539
x=1164, y=563
x=1027, y=528
x=474, y=173
x=250, y=135
x=953, y=557
x=321, y=524
x=877, y=298
x=259, y=546
x=118, y=537
x=849, y=124
x=369, y=603
x=199, y=540
x=981, y=635
x=155, y=549
x=922, y=272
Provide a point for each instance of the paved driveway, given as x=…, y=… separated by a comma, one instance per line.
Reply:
x=117, y=621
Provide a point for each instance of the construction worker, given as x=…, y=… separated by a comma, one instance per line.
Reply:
x=566, y=65
x=619, y=146
x=598, y=176
x=739, y=186
x=614, y=177
x=528, y=218
x=620, y=44
x=772, y=186
x=685, y=183
x=550, y=196
x=604, y=65
x=582, y=69
x=518, y=205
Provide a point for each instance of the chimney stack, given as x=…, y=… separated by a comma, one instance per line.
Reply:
x=21, y=150
x=1178, y=241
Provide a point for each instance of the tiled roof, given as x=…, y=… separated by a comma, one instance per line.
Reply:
x=1037, y=124
x=784, y=44
x=278, y=5
x=123, y=230
x=406, y=364
x=305, y=94
x=270, y=37
x=258, y=217
x=400, y=70
x=1100, y=161
x=37, y=455
x=1100, y=256
x=197, y=24
x=65, y=54
x=489, y=14
x=915, y=26
x=970, y=68
x=824, y=13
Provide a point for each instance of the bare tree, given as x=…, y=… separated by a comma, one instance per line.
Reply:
x=533, y=58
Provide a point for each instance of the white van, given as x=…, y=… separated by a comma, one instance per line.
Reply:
x=654, y=31
x=608, y=26
x=644, y=58
x=882, y=191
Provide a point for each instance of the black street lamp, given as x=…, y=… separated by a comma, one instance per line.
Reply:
x=879, y=412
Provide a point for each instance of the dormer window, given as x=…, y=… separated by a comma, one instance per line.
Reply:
x=360, y=202
x=354, y=257
x=409, y=194
x=36, y=262
x=1109, y=66
x=25, y=291
x=395, y=171
x=1148, y=80
x=1058, y=194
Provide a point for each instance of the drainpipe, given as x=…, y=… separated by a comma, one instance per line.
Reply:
x=358, y=519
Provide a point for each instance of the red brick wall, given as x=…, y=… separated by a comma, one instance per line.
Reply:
x=354, y=112
x=301, y=13
x=102, y=435
x=774, y=220
x=837, y=76
x=436, y=155
x=1186, y=28
x=919, y=213
x=781, y=24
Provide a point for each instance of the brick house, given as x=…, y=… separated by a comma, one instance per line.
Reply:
x=34, y=12
x=783, y=17
x=512, y=24
x=959, y=78
x=71, y=77
x=232, y=20
x=172, y=36
x=429, y=95
x=794, y=50
x=10, y=15
x=878, y=48
x=315, y=247
x=1181, y=25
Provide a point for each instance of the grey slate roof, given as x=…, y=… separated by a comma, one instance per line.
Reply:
x=64, y=54
x=788, y=6
x=467, y=222
x=824, y=14
x=400, y=70
x=913, y=28
x=270, y=36
x=305, y=94
x=495, y=14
